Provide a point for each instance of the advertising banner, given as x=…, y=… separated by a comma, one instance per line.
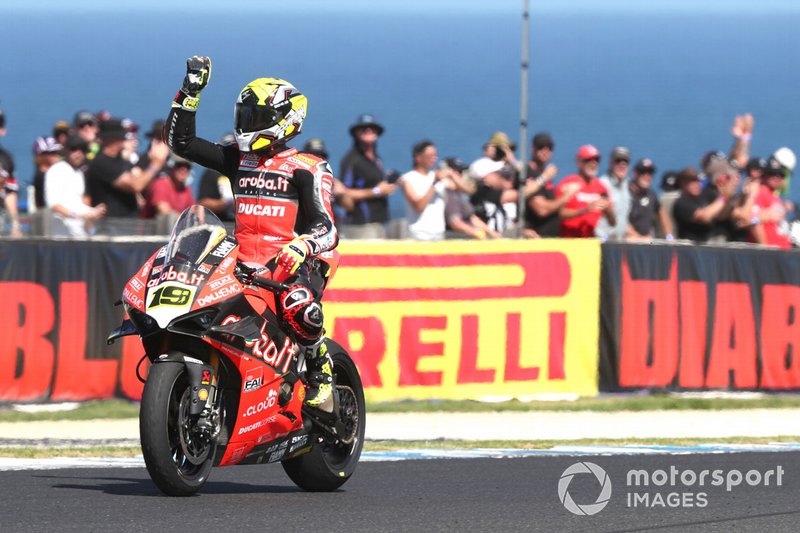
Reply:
x=458, y=319
x=699, y=317
x=58, y=308
x=468, y=320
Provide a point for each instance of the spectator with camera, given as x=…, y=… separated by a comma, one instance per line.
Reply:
x=495, y=199
x=424, y=191
x=459, y=213
x=112, y=180
x=695, y=212
x=618, y=185
x=581, y=213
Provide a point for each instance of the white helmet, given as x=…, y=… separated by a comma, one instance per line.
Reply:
x=785, y=157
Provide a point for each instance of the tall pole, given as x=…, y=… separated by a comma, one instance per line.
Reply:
x=523, y=119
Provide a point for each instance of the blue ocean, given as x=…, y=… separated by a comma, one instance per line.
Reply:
x=665, y=82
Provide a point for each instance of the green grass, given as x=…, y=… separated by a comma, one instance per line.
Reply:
x=602, y=403
x=392, y=445
x=86, y=411
x=126, y=409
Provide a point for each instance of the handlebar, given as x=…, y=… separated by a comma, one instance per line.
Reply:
x=269, y=284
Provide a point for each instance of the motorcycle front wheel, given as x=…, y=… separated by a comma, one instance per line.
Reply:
x=177, y=460
x=332, y=461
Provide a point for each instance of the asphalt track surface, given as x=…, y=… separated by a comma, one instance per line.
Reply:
x=519, y=494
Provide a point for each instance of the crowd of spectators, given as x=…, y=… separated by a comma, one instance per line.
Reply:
x=92, y=171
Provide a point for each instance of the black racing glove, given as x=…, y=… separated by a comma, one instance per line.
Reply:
x=198, y=72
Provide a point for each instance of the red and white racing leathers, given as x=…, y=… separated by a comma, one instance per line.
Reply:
x=278, y=195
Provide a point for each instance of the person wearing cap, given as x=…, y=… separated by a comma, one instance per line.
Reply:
x=168, y=195
x=424, y=191
x=618, y=185
x=495, y=199
x=367, y=187
x=112, y=180
x=580, y=215
x=46, y=153
x=694, y=212
x=85, y=124
x=8, y=185
x=65, y=193
x=61, y=131
x=459, y=213
x=645, y=208
x=769, y=226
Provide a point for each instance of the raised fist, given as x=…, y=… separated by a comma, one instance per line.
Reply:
x=198, y=72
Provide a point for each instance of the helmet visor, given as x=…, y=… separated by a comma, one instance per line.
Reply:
x=251, y=118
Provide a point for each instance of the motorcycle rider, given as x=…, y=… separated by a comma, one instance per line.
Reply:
x=282, y=200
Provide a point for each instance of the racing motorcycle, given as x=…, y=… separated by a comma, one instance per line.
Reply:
x=226, y=382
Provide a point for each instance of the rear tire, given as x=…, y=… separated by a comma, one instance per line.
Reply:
x=331, y=462
x=177, y=461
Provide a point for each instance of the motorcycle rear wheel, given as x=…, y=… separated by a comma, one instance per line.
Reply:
x=177, y=461
x=331, y=462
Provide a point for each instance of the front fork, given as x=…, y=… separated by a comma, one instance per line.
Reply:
x=203, y=395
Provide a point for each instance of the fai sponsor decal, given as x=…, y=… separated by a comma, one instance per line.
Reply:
x=253, y=379
x=261, y=210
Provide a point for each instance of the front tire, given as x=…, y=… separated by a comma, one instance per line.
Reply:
x=177, y=460
x=332, y=461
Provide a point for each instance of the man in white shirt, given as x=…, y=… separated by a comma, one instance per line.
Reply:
x=424, y=192
x=65, y=192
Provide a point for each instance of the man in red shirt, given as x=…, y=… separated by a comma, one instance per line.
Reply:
x=769, y=216
x=580, y=215
x=169, y=193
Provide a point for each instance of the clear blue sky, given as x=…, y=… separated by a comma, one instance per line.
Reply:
x=407, y=6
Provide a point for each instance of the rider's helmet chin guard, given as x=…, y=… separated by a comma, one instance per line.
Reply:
x=269, y=111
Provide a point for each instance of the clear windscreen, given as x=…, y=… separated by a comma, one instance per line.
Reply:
x=196, y=232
